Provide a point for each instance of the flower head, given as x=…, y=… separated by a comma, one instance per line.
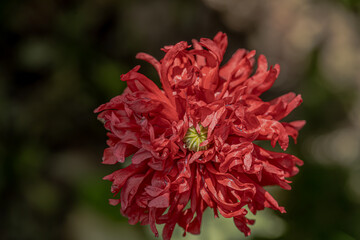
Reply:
x=192, y=143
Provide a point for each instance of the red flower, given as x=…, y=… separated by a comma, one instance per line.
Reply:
x=192, y=143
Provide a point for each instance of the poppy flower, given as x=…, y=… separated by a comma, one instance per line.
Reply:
x=193, y=143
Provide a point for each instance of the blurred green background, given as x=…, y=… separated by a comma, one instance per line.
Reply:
x=60, y=59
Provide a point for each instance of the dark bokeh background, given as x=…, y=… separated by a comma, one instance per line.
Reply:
x=60, y=59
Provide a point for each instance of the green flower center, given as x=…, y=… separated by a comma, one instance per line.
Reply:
x=193, y=138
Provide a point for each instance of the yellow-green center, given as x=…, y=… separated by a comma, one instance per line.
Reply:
x=193, y=138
